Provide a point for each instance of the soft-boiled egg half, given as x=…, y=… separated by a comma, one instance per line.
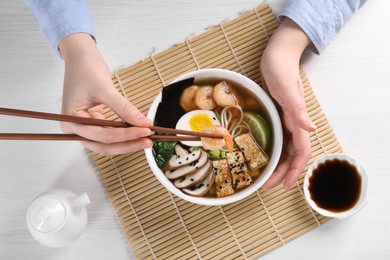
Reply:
x=196, y=120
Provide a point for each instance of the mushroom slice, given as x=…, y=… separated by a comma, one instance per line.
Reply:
x=194, y=178
x=189, y=168
x=182, y=158
x=202, y=188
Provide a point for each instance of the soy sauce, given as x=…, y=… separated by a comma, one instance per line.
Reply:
x=335, y=185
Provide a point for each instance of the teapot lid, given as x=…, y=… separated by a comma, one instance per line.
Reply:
x=47, y=214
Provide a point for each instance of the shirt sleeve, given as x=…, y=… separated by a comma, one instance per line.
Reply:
x=60, y=18
x=321, y=20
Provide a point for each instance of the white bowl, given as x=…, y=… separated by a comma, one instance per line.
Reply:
x=364, y=194
x=276, y=129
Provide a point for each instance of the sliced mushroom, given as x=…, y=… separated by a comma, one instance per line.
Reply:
x=202, y=188
x=182, y=157
x=194, y=178
x=189, y=168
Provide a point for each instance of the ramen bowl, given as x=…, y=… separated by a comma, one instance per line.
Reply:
x=251, y=89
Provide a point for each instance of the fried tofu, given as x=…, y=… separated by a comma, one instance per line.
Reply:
x=254, y=155
x=223, y=180
x=238, y=170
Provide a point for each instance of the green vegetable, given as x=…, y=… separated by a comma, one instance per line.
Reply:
x=217, y=154
x=162, y=152
x=214, y=154
x=217, y=115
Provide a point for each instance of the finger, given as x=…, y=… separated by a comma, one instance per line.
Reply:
x=278, y=175
x=104, y=134
x=108, y=134
x=118, y=148
x=281, y=170
x=301, y=145
x=95, y=112
x=295, y=106
x=125, y=110
x=292, y=102
x=92, y=112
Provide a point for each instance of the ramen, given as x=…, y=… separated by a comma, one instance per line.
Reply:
x=213, y=167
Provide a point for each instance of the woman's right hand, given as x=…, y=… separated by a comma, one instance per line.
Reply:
x=88, y=85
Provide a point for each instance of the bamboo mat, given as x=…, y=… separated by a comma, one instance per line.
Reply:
x=159, y=225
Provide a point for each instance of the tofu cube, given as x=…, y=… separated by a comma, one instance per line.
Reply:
x=238, y=170
x=223, y=180
x=254, y=155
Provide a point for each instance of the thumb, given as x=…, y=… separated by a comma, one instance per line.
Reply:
x=301, y=118
x=295, y=105
x=126, y=110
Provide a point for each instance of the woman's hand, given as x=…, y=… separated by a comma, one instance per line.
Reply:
x=280, y=69
x=88, y=85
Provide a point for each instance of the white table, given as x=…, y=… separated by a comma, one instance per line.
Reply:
x=350, y=80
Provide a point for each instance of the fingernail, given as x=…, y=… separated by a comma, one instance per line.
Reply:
x=312, y=125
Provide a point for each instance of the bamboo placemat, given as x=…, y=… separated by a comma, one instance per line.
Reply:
x=159, y=225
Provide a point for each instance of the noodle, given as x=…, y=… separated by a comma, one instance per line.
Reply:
x=234, y=123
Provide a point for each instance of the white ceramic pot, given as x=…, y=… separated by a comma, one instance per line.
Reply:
x=58, y=217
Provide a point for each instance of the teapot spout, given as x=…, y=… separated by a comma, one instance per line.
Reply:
x=79, y=202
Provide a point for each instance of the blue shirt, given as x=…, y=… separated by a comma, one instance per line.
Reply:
x=60, y=18
x=321, y=20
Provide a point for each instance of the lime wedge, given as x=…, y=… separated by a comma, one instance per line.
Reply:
x=259, y=129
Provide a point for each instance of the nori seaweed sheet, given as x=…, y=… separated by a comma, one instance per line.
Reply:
x=169, y=110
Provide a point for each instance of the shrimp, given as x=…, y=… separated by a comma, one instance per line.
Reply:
x=203, y=98
x=214, y=143
x=223, y=96
x=187, y=99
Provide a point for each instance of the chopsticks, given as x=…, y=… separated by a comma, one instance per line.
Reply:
x=74, y=137
x=183, y=135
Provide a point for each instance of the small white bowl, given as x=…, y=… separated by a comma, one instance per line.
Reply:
x=276, y=130
x=364, y=194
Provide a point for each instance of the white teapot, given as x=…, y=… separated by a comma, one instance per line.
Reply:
x=57, y=217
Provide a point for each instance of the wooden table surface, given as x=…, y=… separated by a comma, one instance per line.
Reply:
x=350, y=80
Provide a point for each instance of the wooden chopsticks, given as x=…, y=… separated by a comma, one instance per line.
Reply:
x=74, y=137
x=183, y=135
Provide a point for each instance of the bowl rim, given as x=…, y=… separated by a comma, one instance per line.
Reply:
x=364, y=195
x=277, y=134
